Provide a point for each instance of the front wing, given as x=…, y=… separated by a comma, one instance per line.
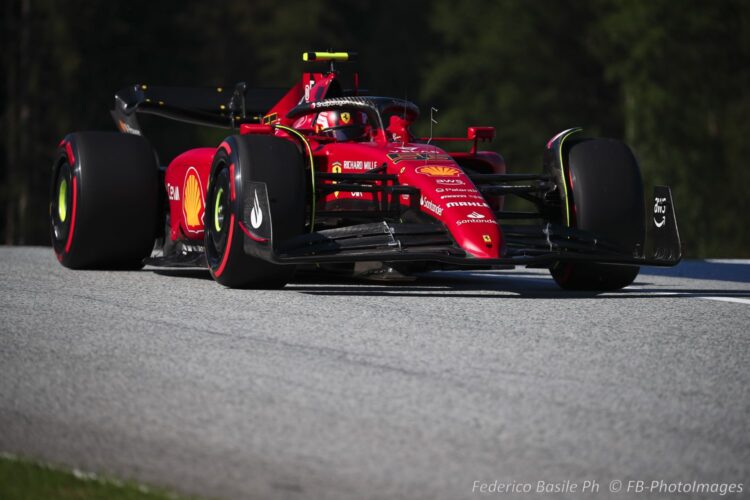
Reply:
x=532, y=245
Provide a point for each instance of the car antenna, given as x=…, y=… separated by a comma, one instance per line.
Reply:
x=433, y=121
x=406, y=99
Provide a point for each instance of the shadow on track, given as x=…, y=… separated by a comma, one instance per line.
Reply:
x=489, y=285
x=506, y=284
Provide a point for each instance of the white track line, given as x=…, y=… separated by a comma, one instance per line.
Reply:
x=728, y=299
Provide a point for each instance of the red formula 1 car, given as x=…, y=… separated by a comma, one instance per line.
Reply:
x=321, y=175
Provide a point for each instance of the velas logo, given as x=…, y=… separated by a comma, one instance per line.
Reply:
x=193, y=205
x=438, y=171
x=256, y=215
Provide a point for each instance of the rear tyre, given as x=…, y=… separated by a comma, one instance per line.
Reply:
x=104, y=200
x=239, y=161
x=606, y=198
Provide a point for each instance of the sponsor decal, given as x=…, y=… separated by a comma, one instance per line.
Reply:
x=127, y=128
x=487, y=239
x=464, y=196
x=466, y=204
x=474, y=221
x=336, y=169
x=451, y=182
x=359, y=164
x=256, y=215
x=193, y=205
x=660, y=211
x=454, y=189
x=431, y=206
x=438, y=171
x=413, y=156
x=173, y=192
x=475, y=215
x=346, y=118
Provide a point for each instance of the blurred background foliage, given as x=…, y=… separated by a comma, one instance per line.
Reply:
x=670, y=78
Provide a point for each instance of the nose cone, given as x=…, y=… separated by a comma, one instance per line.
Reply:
x=475, y=230
x=449, y=195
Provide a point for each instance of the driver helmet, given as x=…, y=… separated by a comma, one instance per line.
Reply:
x=341, y=125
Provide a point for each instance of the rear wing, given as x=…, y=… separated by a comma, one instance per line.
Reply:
x=211, y=106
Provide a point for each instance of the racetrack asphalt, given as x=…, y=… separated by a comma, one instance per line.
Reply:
x=338, y=389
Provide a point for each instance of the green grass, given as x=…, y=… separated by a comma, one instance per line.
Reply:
x=24, y=480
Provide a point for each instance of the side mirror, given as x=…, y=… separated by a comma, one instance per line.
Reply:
x=481, y=133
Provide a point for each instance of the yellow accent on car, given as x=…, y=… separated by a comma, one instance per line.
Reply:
x=325, y=56
x=438, y=171
x=312, y=168
x=562, y=170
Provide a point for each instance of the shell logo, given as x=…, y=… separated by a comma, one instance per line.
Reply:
x=193, y=204
x=439, y=171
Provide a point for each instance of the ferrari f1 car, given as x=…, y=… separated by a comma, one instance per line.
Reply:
x=324, y=175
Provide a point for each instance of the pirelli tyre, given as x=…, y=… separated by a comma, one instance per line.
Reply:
x=242, y=161
x=605, y=194
x=104, y=200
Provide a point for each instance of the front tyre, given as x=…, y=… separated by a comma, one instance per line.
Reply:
x=239, y=161
x=606, y=198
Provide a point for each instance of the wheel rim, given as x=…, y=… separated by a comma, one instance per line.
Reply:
x=62, y=202
x=219, y=210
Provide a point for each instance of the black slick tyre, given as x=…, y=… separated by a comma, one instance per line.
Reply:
x=104, y=200
x=239, y=161
x=606, y=198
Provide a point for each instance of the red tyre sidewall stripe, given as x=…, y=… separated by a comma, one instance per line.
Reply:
x=232, y=194
x=228, y=248
x=73, y=215
x=251, y=235
x=226, y=146
x=71, y=156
